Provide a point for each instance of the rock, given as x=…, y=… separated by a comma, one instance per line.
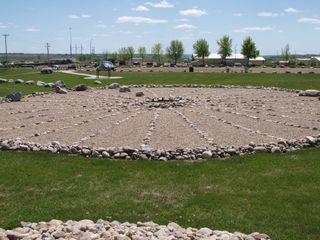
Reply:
x=97, y=82
x=312, y=93
x=205, y=232
x=260, y=149
x=206, y=154
x=124, y=89
x=17, y=81
x=41, y=84
x=3, y=80
x=86, y=151
x=105, y=154
x=122, y=237
x=60, y=83
x=80, y=88
x=311, y=140
x=114, y=86
x=14, y=97
x=61, y=90
x=139, y=94
x=275, y=149
x=59, y=234
x=30, y=82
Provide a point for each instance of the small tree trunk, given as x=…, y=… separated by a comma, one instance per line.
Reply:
x=203, y=60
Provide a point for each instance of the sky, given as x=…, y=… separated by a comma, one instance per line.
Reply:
x=111, y=24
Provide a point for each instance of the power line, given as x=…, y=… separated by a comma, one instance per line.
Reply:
x=5, y=44
x=48, y=46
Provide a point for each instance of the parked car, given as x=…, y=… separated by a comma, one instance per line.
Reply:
x=107, y=65
x=46, y=71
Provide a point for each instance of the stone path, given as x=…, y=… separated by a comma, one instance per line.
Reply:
x=90, y=76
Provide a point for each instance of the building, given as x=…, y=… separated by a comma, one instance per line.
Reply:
x=303, y=61
x=315, y=61
x=215, y=60
x=258, y=61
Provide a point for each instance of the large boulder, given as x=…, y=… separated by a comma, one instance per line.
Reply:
x=14, y=97
x=17, y=81
x=47, y=71
x=80, y=87
x=3, y=80
x=310, y=93
x=139, y=94
x=60, y=83
x=114, y=86
x=124, y=89
x=41, y=84
x=30, y=82
x=61, y=90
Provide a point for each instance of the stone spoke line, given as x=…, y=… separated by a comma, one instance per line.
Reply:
x=115, y=124
x=56, y=130
x=236, y=126
x=76, y=115
x=263, y=119
x=193, y=126
x=244, y=108
x=152, y=128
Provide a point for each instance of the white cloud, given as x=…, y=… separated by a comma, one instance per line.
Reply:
x=186, y=38
x=73, y=16
x=3, y=26
x=140, y=9
x=309, y=20
x=32, y=29
x=85, y=16
x=268, y=14
x=185, y=26
x=317, y=28
x=130, y=19
x=253, y=29
x=161, y=4
x=291, y=10
x=280, y=31
x=237, y=14
x=194, y=12
x=205, y=32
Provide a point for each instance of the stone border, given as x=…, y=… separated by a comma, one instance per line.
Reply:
x=147, y=153
x=87, y=229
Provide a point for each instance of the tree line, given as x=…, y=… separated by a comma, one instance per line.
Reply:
x=175, y=51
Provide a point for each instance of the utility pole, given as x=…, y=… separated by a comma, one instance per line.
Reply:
x=81, y=48
x=91, y=46
x=70, y=32
x=48, y=46
x=76, y=49
x=5, y=45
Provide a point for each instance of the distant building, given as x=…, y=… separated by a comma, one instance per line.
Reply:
x=315, y=61
x=215, y=60
x=303, y=61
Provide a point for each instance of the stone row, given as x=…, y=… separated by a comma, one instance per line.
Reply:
x=130, y=153
x=100, y=230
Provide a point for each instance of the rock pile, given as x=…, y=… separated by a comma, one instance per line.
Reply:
x=218, y=152
x=163, y=102
x=89, y=230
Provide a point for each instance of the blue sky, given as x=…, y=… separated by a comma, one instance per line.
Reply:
x=114, y=24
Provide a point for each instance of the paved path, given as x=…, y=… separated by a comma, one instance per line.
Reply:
x=89, y=76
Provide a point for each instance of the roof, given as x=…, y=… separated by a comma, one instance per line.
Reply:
x=316, y=58
x=303, y=59
x=258, y=59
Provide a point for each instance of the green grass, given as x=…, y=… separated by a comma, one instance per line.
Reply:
x=275, y=194
x=293, y=81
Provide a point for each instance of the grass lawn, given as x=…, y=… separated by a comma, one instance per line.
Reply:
x=294, y=81
x=275, y=194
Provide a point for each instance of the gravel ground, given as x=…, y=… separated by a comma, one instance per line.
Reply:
x=198, y=117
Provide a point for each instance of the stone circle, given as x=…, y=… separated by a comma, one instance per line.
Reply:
x=168, y=122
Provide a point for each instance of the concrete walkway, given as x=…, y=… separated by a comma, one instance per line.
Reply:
x=89, y=76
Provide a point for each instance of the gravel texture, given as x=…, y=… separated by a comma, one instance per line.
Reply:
x=186, y=118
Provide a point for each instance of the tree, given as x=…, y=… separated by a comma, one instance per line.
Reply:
x=157, y=52
x=175, y=50
x=113, y=56
x=131, y=53
x=105, y=56
x=123, y=54
x=201, y=48
x=225, y=47
x=142, y=52
x=248, y=49
x=286, y=53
